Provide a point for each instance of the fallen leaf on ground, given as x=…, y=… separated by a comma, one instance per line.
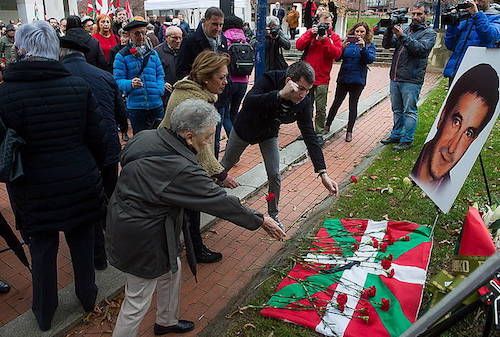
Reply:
x=373, y=177
x=448, y=242
x=386, y=217
x=213, y=231
x=387, y=189
x=249, y=325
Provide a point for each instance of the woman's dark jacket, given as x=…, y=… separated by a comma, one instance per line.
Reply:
x=55, y=113
x=354, y=63
x=109, y=100
x=263, y=112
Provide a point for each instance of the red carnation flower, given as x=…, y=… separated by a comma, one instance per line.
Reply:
x=368, y=292
x=341, y=307
x=354, y=179
x=390, y=257
x=342, y=299
x=375, y=243
x=270, y=197
x=133, y=51
x=355, y=246
x=385, y=304
x=391, y=273
x=405, y=238
x=383, y=246
x=386, y=264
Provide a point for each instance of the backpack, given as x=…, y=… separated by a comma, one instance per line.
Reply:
x=242, y=58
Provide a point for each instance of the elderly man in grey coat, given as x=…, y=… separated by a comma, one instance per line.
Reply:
x=161, y=177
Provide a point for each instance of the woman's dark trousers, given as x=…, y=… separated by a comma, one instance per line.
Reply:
x=354, y=91
x=43, y=248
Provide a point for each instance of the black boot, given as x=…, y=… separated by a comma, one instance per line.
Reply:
x=207, y=256
x=4, y=287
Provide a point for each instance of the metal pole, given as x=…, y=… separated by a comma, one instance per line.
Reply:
x=260, y=55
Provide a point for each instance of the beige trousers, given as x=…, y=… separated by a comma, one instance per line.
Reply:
x=138, y=296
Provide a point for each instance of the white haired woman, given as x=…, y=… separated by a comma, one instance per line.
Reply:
x=161, y=177
x=61, y=189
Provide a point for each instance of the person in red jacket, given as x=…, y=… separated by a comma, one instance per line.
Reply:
x=321, y=46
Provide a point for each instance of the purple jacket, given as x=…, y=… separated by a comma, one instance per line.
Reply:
x=236, y=35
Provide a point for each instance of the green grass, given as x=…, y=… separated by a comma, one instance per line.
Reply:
x=357, y=201
x=370, y=20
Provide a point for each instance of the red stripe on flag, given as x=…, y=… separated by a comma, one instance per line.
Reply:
x=406, y=293
x=355, y=226
x=374, y=327
x=298, y=272
x=416, y=257
x=325, y=243
x=398, y=229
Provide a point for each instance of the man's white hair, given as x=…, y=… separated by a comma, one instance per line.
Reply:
x=194, y=115
x=272, y=20
x=37, y=39
x=172, y=29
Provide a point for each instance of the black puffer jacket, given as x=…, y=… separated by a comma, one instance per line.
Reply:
x=55, y=114
x=108, y=98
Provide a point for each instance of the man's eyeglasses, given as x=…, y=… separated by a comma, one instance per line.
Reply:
x=140, y=33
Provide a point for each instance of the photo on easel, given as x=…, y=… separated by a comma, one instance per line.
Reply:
x=461, y=128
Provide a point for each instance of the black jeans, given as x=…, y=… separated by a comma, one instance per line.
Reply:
x=194, y=218
x=342, y=90
x=43, y=248
x=292, y=33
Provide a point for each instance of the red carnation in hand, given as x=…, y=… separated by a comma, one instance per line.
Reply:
x=342, y=299
x=270, y=197
x=354, y=179
x=383, y=246
x=385, y=304
x=391, y=273
x=386, y=264
x=375, y=243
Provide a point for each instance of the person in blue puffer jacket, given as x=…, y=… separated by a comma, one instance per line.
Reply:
x=482, y=29
x=139, y=74
x=352, y=75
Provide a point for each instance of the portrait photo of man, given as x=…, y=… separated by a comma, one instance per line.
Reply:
x=468, y=109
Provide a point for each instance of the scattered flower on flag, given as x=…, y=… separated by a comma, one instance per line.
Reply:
x=369, y=292
x=342, y=299
x=405, y=238
x=390, y=274
x=385, y=304
x=386, y=264
x=375, y=243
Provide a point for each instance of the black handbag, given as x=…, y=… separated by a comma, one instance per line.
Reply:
x=11, y=166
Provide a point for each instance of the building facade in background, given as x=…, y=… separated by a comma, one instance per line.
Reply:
x=30, y=10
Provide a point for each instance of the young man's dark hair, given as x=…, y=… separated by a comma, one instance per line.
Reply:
x=426, y=6
x=481, y=80
x=300, y=69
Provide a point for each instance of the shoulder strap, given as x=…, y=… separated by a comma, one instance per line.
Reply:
x=145, y=61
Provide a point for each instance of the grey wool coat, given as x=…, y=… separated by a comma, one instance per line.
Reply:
x=161, y=177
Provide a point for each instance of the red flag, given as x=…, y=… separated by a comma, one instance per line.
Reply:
x=112, y=9
x=90, y=7
x=475, y=240
x=117, y=4
x=128, y=9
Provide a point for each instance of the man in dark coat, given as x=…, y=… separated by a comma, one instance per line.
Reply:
x=279, y=12
x=168, y=52
x=112, y=110
x=160, y=177
x=61, y=190
x=94, y=56
x=279, y=97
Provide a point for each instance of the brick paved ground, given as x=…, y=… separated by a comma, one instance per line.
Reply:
x=244, y=252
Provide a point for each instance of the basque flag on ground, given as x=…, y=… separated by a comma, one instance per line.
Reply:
x=359, y=278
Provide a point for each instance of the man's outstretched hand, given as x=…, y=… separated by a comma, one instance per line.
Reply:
x=273, y=229
x=330, y=185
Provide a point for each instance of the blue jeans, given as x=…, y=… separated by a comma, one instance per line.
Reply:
x=238, y=91
x=142, y=119
x=404, y=98
x=228, y=125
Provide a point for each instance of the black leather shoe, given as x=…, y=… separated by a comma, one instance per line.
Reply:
x=208, y=256
x=389, y=140
x=4, y=287
x=180, y=327
x=100, y=264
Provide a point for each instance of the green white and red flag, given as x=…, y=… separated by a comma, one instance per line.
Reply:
x=359, y=278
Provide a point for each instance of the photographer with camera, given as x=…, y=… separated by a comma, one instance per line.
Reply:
x=321, y=46
x=412, y=47
x=471, y=23
x=275, y=40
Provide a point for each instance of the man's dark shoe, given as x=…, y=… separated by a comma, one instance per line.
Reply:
x=180, y=327
x=402, y=146
x=4, y=287
x=275, y=218
x=100, y=264
x=208, y=256
x=389, y=140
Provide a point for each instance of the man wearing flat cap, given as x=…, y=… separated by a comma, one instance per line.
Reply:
x=139, y=74
x=110, y=106
x=7, y=54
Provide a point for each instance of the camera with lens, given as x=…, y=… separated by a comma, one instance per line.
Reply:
x=397, y=17
x=274, y=32
x=456, y=14
x=323, y=28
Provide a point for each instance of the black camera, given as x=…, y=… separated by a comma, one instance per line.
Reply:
x=323, y=28
x=274, y=32
x=454, y=15
x=397, y=17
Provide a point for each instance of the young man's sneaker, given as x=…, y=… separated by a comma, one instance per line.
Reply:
x=181, y=327
x=402, y=146
x=4, y=287
x=389, y=140
x=275, y=218
x=208, y=256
